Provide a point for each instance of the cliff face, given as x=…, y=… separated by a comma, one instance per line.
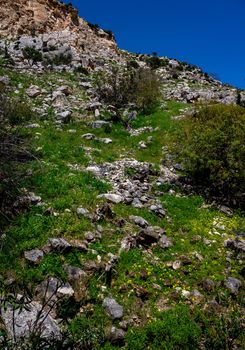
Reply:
x=20, y=18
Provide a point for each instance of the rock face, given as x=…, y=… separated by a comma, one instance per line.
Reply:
x=52, y=28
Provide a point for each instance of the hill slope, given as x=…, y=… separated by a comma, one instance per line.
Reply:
x=108, y=247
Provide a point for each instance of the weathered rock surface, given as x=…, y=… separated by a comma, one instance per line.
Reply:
x=34, y=256
x=20, y=323
x=112, y=308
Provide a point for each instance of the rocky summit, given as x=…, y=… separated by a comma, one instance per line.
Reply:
x=121, y=192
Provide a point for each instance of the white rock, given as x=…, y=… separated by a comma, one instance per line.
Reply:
x=112, y=197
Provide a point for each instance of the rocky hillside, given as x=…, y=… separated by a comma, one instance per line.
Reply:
x=105, y=243
x=45, y=34
x=53, y=28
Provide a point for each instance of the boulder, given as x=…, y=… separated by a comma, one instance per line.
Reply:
x=112, y=197
x=116, y=336
x=82, y=212
x=56, y=244
x=97, y=124
x=22, y=322
x=233, y=284
x=112, y=308
x=34, y=256
x=165, y=242
x=138, y=220
x=33, y=91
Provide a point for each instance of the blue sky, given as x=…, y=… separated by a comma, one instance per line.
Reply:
x=208, y=33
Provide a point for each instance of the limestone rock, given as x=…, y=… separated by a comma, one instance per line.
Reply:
x=112, y=308
x=233, y=284
x=33, y=91
x=56, y=244
x=34, y=256
x=112, y=197
x=20, y=323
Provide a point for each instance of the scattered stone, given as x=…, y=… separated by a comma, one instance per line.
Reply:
x=83, y=212
x=236, y=244
x=138, y=220
x=59, y=99
x=112, y=308
x=4, y=81
x=176, y=264
x=88, y=136
x=52, y=288
x=97, y=124
x=142, y=145
x=116, y=336
x=33, y=91
x=94, y=170
x=208, y=285
x=112, y=197
x=57, y=245
x=233, y=284
x=165, y=242
x=34, y=256
x=33, y=126
x=105, y=140
x=63, y=117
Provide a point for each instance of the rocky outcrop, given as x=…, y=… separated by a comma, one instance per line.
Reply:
x=54, y=29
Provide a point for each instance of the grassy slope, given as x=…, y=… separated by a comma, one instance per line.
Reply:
x=62, y=188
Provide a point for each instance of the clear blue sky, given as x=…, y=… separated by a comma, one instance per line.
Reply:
x=208, y=33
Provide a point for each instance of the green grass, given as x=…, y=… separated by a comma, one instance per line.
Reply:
x=52, y=176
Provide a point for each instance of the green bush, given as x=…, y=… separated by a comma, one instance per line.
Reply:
x=155, y=62
x=59, y=59
x=211, y=146
x=13, y=114
x=126, y=85
x=30, y=53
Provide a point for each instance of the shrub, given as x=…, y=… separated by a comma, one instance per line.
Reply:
x=147, y=90
x=211, y=146
x=13, y=114
x=60, y=59
x=30, y=53
x=155, y=62
x=110, y=33
x=125, y=85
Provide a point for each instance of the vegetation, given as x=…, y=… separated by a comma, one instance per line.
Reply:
x=210, y=144
x=161, y=318
x=14, y=113
x=59, y=59
x=32, y=54
x=124, y=86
